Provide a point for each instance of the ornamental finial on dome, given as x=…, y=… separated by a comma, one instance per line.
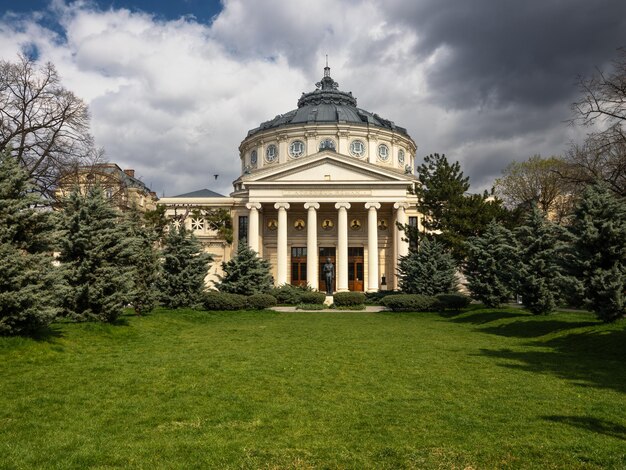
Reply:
x=327, y=83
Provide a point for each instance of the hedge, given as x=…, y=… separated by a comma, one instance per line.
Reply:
x=260, y=301
x=288, y=294
x=454, y=302
x=312, y=298
x=223, y=301
x=376, y=298
x=348, y=299
x=310, y=307
x=411, y=303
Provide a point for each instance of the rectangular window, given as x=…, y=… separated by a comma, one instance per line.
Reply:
x=298, y=252
x=356, y=251
x=242, y=234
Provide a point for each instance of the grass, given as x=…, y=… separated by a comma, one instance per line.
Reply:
x=185, y=389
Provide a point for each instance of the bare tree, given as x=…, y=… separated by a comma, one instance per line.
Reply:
x=603, y=155
x=536, y=181
x=603, y=95
x=45, y=126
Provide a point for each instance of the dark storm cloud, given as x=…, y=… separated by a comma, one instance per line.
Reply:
x=497, y=53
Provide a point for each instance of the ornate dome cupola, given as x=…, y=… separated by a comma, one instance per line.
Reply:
x=327, y=93
x=327, y=119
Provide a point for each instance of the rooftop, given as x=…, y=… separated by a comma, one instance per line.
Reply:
x=327, y=104
x=201, y=193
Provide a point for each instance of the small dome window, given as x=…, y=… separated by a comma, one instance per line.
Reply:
x=327, y=144
x=296, y=148
x=357, y=148
x=401, y=157
x=383, y=152
x=271, y=153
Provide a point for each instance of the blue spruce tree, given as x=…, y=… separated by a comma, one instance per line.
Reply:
x=185, y=265
x=95, y=257
x=599, y=251
x=28, y=279
x=491, y=264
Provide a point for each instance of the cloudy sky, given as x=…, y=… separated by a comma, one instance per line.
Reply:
x=174, y=85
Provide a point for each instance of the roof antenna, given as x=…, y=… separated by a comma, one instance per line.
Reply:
x=216, y=176
x=327, y=68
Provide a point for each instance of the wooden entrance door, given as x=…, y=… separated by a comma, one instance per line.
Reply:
x=355, y=268
x=327, y=252
x=298, y=266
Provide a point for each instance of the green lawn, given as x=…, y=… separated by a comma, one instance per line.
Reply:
x=180, y=389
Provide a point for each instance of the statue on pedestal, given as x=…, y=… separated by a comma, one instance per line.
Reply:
x=329, y=274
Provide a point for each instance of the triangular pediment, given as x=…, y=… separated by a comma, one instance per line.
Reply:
x=324, y=167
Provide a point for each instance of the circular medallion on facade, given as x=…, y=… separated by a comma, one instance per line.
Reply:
x=296, y=148
x=355, y=224
x=298, y=224
x=327, y=144
x=400, y=157
x=327, y=224
x=272, y=224
x=253, y=158
x=382, y=224
x=271, y=153
x=357, y=148
x=383, y=152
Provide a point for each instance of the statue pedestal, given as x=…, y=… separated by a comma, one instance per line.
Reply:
x=329, y=300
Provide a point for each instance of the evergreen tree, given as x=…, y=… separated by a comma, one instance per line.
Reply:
x=599, y=251
x=540, y=277
x=95, y=256
x=185, y=265
x=490, y=265
x=431, y=270
x=144, y=262
x=246, y=273
x=448, y=211
x=28, y=279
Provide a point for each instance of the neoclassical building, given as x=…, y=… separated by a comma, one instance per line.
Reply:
x=325, y=180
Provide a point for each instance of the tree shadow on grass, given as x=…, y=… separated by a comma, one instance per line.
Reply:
x=589, y=359
x=589, y=423
x=483, y=316
x=47, y=334
x=534, y=328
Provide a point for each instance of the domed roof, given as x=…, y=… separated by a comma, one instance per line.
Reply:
x=327, y=104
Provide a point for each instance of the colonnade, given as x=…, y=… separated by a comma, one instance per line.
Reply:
x=341, y=260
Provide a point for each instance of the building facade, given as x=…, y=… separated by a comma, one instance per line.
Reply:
x=120, y=186
x=326, y=180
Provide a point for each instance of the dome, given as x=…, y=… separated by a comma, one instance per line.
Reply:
x=327, y=104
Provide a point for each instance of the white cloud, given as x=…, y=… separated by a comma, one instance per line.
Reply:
x=173, y=99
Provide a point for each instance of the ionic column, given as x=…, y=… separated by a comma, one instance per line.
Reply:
x=372, y=246
x=342, y=246
x=312, y=253
x=281, y=243
x=253, y=225
x=402, y=246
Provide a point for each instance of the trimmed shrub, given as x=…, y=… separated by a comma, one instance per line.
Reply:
x=375, y=298
x=223, y=301
x=261, y=301
x=348, y=299
x=310, y=307
x=312, y=298
x=352, y=307
x=454, y=302
x=411, y=303
x=288, y=294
